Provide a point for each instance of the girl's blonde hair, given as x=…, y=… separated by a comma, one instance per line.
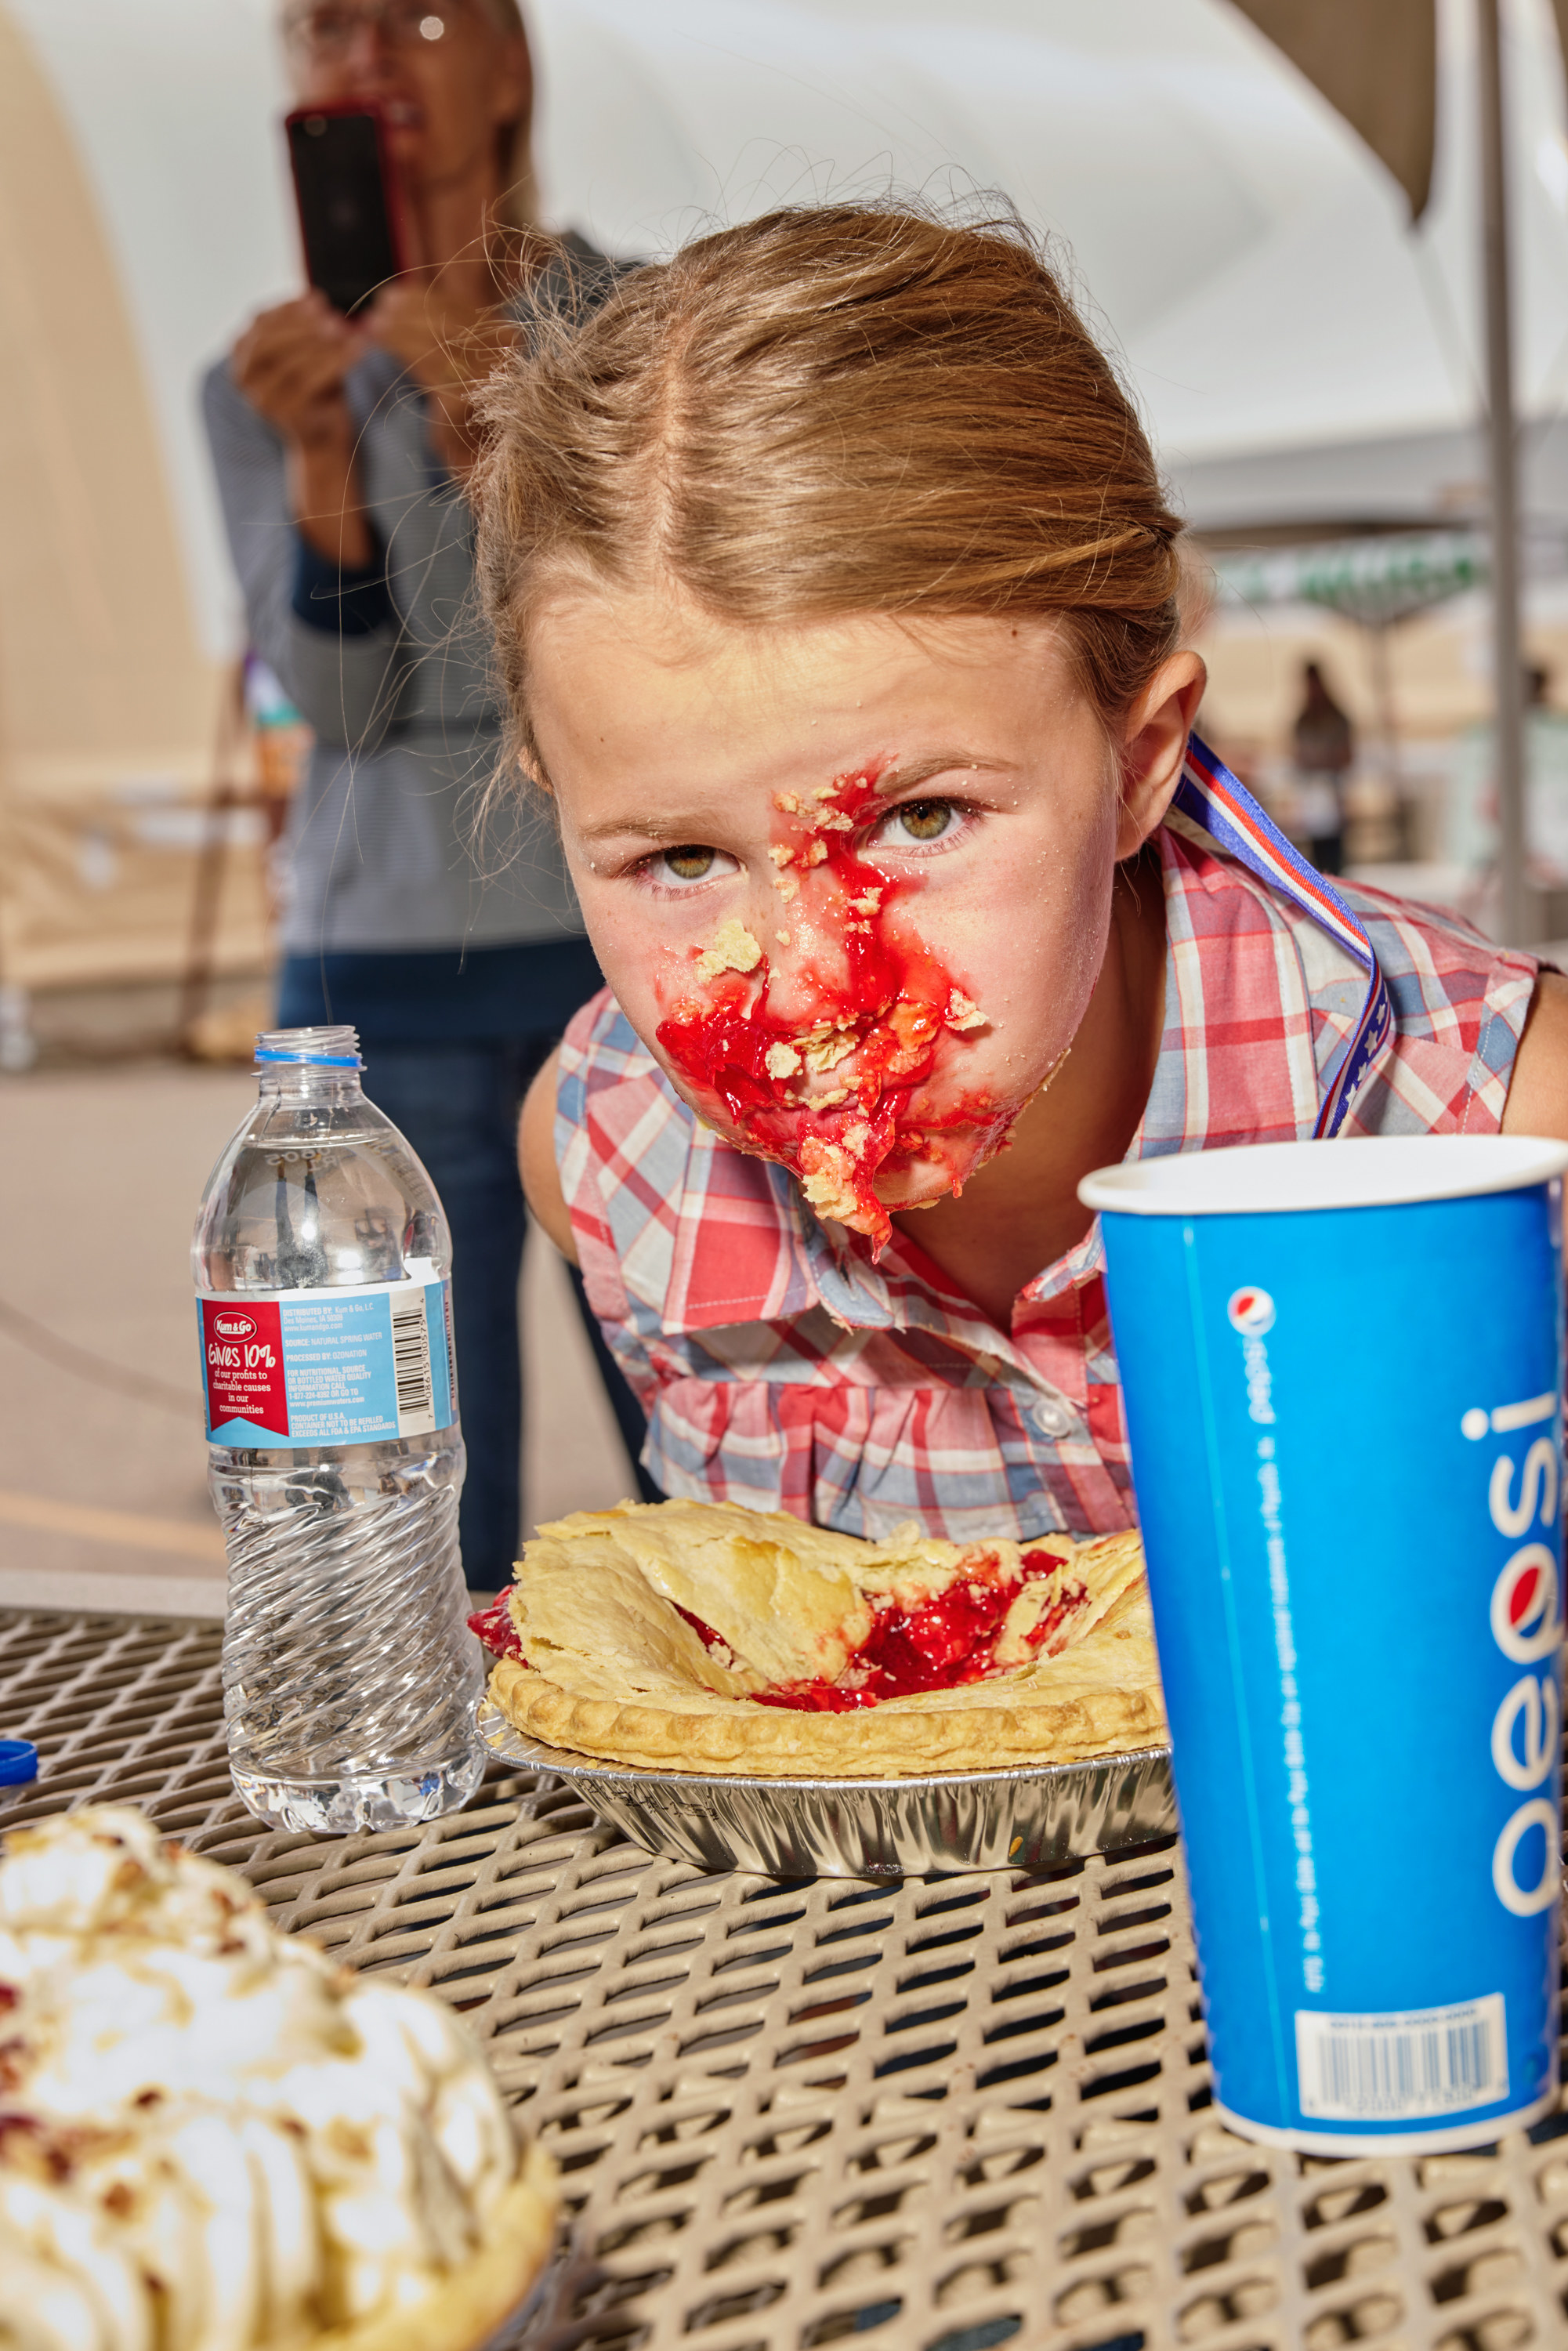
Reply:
x=831, y=411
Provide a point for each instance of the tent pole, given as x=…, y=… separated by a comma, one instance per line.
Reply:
x=1508, y=680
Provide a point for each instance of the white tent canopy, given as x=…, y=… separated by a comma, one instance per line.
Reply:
x=1247, y=256
x=1302, y=354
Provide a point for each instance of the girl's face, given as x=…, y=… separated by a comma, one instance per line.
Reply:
x=850, y=883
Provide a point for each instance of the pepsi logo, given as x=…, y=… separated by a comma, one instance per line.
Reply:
x=1251, y=1311
x=233, y=1326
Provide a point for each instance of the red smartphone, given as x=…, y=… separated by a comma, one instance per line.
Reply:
x=350, y=218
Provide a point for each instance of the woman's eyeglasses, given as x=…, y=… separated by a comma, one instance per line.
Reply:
x=331, y=27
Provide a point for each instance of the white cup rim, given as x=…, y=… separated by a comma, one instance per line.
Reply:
x=1370, y=1171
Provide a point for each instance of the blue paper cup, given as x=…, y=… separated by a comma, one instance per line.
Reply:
x=1343, y=1371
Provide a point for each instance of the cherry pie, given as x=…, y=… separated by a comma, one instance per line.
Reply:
x=709, y=1638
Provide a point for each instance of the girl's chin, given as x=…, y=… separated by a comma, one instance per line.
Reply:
x=911, y=1182
x=926, y=1181
x=911, y=1188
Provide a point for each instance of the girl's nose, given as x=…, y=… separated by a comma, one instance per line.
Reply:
x=802, y=936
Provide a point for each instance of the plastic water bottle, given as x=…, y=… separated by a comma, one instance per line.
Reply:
x=335, y=1457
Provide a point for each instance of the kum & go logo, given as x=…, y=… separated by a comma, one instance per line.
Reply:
x=242, y=1367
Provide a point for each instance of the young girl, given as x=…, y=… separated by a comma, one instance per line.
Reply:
x=836, y=599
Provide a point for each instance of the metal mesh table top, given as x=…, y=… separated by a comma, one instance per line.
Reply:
x=943, y=2113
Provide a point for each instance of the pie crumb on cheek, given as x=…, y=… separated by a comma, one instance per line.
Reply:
x=883, y=1016
x=732, y=949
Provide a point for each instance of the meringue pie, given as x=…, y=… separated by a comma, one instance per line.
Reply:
x=213, y=2137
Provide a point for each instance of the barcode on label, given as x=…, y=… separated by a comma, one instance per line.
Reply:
x=451, y=1346
x=1399, y=2067
x=411, y=1365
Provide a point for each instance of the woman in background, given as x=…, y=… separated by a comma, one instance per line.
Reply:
x=341, y=447
x=1325, y=744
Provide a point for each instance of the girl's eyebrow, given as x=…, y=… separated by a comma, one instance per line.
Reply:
x=903, y=773
x=645, y=827
x=901, y=777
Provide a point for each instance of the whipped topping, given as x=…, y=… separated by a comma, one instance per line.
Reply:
x=211, y=2135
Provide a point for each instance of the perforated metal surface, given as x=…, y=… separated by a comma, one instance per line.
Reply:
x=944, y=2115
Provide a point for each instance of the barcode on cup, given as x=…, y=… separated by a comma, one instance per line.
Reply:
x=1404, y=2065
x=411, y=1365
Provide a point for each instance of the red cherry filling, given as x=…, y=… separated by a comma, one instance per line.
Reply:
x=496, y=1629
x=704, y=1633
x=715, y=1645
x=942, y=1644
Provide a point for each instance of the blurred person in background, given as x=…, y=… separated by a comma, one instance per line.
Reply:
x=341, y=446
x=1473, y=826
x=1324, y=743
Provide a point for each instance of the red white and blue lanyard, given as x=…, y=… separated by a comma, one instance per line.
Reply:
x=1215, y=799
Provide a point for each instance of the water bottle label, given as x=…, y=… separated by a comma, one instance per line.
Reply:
x=329, y=1366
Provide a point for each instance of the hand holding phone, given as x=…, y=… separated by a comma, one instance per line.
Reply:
x=290, y=363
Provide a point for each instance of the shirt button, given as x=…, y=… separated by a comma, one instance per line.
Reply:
x=1053, y=1416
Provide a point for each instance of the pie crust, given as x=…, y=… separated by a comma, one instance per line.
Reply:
x=462, y=2310
x=613, y=1664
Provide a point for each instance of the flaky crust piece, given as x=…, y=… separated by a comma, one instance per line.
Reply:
x=615, y=1669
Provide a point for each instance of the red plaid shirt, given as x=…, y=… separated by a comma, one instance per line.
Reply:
x=781, y=1369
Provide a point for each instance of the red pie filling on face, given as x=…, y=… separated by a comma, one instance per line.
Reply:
x=829, y=1096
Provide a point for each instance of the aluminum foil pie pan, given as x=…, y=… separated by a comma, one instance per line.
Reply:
x=1031, y=1817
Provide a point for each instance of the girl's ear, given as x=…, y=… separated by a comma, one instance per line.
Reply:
x=1154, y=744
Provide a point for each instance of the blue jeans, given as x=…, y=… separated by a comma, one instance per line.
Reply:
x=457, y=1102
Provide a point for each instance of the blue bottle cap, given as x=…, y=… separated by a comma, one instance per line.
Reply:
x=18, y=1761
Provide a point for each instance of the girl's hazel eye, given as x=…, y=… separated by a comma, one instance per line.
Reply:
x=924, y=819
x=690, y=863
